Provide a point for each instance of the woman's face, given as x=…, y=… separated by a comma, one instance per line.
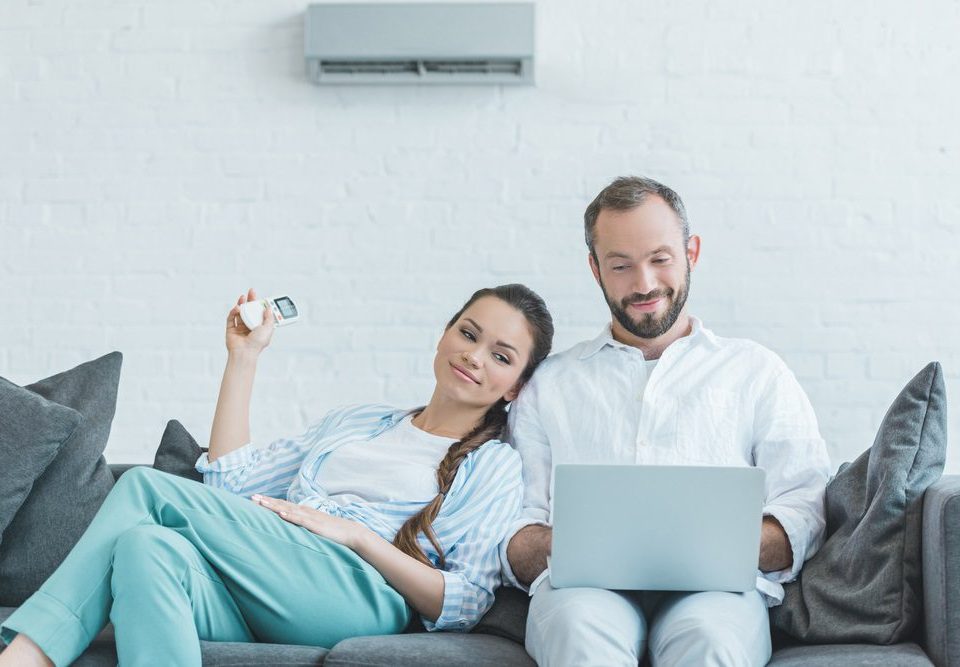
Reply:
x=481, y=357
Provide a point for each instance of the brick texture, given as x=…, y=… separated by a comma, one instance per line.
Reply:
x=157, y=158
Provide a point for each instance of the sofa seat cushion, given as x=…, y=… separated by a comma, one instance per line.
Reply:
x=424, y=649
x=851, y=655
x=102, y=652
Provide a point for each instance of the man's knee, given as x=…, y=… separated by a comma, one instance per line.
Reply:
x=699, y=642
x=584, y=626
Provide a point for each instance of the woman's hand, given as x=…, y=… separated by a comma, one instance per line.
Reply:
x=240, y=339
x=342, y=531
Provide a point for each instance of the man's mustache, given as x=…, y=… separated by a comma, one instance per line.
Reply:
x=636, y=297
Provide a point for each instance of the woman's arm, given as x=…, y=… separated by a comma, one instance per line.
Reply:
x=231, y=421
x=421, y=586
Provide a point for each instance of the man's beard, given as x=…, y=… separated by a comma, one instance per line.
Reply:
x=649, y=325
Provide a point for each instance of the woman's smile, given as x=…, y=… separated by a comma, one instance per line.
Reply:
x=463, y=374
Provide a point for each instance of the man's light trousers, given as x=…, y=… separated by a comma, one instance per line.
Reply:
x=592, y=626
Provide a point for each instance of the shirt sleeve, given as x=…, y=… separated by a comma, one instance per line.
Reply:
x=526, y=433
x=788, y=446
x=266, y=470
x=486, y=505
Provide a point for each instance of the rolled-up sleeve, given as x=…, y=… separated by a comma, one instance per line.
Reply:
x=527, y=435
x=789, y=448
x=487, y=506
x=268, y=470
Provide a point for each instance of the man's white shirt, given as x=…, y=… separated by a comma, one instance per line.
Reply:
x=708, y=400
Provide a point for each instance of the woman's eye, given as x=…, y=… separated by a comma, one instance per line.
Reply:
x=503, y=359
x=468, y=334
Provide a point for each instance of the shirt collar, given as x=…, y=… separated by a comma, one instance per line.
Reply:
x=697, y=334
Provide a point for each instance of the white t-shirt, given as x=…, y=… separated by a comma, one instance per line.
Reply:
x=399, y=464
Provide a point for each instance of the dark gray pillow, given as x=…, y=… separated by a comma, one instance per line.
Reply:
x=66, y=496
x=178, y=452
x=32, y=431
x=864, y=585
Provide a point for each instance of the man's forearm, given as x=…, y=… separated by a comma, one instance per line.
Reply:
x=528, y=551
x=775, y=550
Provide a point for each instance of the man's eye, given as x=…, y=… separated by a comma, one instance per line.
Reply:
x=619, y=268
x=661, y=260
x=468, y=334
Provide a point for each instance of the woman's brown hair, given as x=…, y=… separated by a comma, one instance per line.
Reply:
x=491, y=425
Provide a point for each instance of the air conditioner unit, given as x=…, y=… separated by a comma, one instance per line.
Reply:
x=432, y=43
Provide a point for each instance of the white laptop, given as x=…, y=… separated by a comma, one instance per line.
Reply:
x=673, y=528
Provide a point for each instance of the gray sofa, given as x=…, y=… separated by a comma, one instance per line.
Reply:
x=498, y=639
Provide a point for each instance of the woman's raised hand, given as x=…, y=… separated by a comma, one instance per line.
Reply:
x=240, y=339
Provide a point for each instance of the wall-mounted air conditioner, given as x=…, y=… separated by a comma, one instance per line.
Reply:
x=420, y=43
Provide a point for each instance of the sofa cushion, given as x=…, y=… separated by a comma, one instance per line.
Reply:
x=178, y=452
x=507, y=617
x=66, y=496
x=32, y=431
x=864, y=585
x=102, y=652
x=851, y=655
x=423, y=649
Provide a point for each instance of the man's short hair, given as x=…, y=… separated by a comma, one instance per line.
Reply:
x=628, y=192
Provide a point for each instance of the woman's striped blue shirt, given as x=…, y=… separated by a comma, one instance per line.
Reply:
x=485, y=497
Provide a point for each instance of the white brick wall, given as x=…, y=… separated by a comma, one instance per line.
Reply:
x=158, y=157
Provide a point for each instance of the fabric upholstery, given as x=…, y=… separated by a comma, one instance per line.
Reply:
x=507, y=617
x=32, y=431
x=851, y=655
x=439, y=649
x=66, y=496
x=864, y=585
x=178, y=452
x=941, y=571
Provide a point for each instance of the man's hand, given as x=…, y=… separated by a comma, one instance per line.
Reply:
x=342, y=531
x=528, y=551
x=775, y=550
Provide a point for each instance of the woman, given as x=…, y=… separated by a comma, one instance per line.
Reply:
x=353, y=527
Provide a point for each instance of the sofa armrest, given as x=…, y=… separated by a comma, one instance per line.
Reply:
x=941, y=571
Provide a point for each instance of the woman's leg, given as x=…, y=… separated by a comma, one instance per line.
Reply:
x=290, y=585
x=166, y=597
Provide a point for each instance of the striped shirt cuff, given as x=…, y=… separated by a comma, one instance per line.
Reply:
x=451, y=616
x=227, y=471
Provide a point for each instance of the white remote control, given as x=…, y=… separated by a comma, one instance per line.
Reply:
x=285, y=311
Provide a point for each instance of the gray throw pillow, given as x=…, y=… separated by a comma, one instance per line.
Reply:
x=32, y=431
x=864, y=585
x=68, y=494
x=178, y=452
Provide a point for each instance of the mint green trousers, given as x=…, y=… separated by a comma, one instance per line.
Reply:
x=170, y=562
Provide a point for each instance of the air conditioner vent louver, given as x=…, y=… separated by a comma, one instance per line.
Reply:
x=372, y=67
x=511, y=67
x=429, y=43
x=422, y=69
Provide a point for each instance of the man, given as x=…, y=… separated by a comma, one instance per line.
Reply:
x=657, y=387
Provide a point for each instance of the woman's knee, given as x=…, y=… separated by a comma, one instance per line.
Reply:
x=148, y=548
